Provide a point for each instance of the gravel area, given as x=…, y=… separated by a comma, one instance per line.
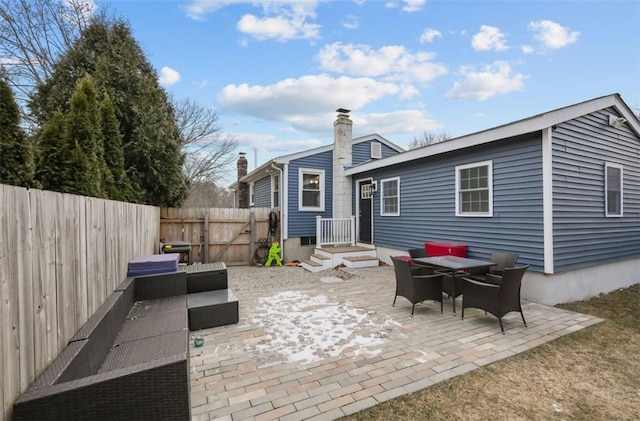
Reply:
x=259, y=278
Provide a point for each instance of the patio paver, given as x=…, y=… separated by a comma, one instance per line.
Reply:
x=327, y=350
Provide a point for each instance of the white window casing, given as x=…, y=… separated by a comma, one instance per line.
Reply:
x=376, y=150
x=251, y=194
x=311, y=190
x=390, y=197
x=275, y=191
x=613, y=194
x=474, y=189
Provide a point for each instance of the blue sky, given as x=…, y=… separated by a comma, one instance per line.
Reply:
x=276, y=71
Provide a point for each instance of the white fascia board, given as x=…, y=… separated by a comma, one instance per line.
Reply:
x=517, y=128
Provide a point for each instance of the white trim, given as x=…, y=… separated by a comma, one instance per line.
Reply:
x=489, y=165
x=547, y=199
x=376, y=150
x=284, y=212
x=275, y=185
x=382, y=212
x=321, y=188
x=608, y=165
x=252, y=193
x=528, y=125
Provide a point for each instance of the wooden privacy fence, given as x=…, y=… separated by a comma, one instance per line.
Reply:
x=218, y=234
x=60, y=257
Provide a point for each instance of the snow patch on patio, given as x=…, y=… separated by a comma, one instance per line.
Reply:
x=304, y=328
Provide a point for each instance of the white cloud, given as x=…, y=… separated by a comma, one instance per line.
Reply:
x=270, y=143
x=392, y=61
x=309, y=95
x=279, y=28
x=168, y=76
x=494, y=79
x=413, y=5
x=553, y=35
x=489, y=38
x=409, y=5
x=429, y=35
x=351, y=22
x=396, y=122
x=527, y=49
x=281, y=19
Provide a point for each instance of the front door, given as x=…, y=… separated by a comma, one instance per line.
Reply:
x=365, y=211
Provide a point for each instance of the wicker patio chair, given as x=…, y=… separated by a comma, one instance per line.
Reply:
x=502, y=260
x=495, y=299
x=419, y=268
x=416, y=288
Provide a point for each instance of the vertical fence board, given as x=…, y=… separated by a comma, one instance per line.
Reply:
x=10, y=296
x=95, y=252
x=24, y=257
x=45, y=326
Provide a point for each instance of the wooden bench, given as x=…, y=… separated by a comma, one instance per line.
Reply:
x=130, y=360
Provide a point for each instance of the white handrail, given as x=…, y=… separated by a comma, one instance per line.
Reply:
x=335, y=231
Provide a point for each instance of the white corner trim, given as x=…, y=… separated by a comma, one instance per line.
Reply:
x=547, y=198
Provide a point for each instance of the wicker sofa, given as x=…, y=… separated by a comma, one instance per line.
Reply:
x=130, y=360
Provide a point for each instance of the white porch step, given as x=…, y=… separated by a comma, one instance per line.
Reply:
x=360, y=261
x=323, y=260
x=312, y=266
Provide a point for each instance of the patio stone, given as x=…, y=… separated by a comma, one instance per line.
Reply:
x=318, y=350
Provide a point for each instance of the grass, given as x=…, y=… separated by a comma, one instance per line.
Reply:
x=593, y=374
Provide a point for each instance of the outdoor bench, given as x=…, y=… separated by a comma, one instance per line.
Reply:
x=130, y=360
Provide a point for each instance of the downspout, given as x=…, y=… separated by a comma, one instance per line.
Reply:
x=281, y=197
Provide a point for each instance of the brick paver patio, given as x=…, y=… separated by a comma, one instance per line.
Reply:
x=335, y=348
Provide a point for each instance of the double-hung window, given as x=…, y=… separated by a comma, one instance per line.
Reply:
x=311, y=190
x=613, y=189
x=390, y=197
x=275, y=189
x=474, y=189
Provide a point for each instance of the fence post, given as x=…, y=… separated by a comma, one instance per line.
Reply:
x=206, y=237
x=252, y=236
x=353, y=230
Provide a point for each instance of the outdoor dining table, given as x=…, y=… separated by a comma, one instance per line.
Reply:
x=457, y=266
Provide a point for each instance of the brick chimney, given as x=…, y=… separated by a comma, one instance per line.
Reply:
x=342, y=158
x=243, y=188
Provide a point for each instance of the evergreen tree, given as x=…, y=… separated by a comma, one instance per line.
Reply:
x=150, y=136
x=85, y=172
x=116, y=183
x=53, y=154
x=16, y=156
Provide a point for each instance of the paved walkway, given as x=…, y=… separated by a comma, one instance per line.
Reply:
x=332, y=349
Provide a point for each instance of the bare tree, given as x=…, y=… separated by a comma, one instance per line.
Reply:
x=428, y=138
x=33, y=36
x=208, y=152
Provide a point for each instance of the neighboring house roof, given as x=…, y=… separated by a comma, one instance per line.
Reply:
x=262, y=170
x=520, y=127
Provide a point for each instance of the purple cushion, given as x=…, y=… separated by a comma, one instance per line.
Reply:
x=154, y=261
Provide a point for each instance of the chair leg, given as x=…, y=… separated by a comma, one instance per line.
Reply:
x=523, y=320
x=463, y=310
x=394, y=301
x=441, y=307
x=413, y=307
x=501, y=327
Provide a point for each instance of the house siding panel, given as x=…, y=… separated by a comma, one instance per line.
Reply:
x=583, y=235
x=427, y=202
x=362, y=152
x=262, y=193
x=302, y=224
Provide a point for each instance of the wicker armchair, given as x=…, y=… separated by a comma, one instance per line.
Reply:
x=495, y=299
x=502, y=260
x=420, y=268
x=416, y=288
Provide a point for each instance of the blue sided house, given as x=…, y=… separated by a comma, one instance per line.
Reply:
x=561, y=189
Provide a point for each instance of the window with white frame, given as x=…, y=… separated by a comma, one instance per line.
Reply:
x=390, y=197
x=613, y=189
x=376, y=150
x=251, y=193
x=474, y=189
x=275, y=189
x=311, y=190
